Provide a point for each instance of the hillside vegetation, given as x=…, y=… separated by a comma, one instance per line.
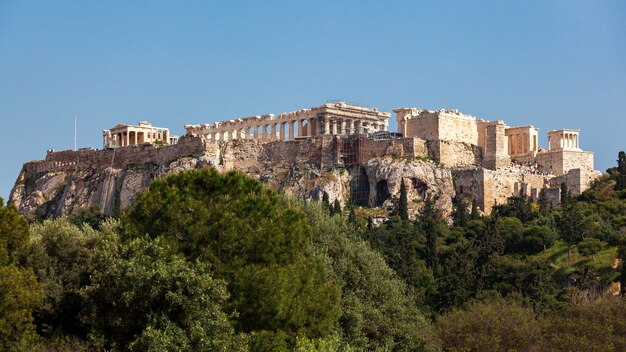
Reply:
x=205, y=261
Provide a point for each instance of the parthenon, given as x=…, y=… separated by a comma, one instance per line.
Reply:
x=328, y=119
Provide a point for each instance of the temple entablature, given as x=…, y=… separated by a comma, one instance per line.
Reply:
x=328, y=119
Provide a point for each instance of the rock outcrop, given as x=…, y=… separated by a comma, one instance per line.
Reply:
x=111, y=179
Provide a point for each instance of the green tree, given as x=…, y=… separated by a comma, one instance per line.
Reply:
x=621, y=254
x=511, y=229
x=336, y=207
x=460, y=215
x=456, y=282
x=352, y=217
x=565, y=194
x=570, y=224
x=496, y=325
x=378, y=312
x=13, y=233
x=253, y=239
x=20, y=293
x=430, y=225
x=544, y=206
x=91, y=216
x=403, y=246
x=403, y=210
x=474, y=215
x=590, y=326
x=590, y=246
x=326, y=202
x=142, y=297
x=536, y=239
x=61, y=255
x=621, y=172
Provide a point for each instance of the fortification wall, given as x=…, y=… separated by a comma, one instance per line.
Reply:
x=492, y=187
x=559, y=162
x=119, y=157
x=454, y=154
x=457, y=127
x=438, y=125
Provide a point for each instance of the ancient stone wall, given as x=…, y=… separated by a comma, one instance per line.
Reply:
x=559, y=162
x=495, y=154
x=492, y=187
x=437, y=125
x=120, y=157
x=454, y=154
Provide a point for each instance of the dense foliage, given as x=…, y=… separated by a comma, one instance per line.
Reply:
x=205, y=261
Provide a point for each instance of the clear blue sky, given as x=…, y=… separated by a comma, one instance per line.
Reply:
x=553, y=64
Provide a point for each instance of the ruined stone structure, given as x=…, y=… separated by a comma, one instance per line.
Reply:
x=341, y=149
x=328, y=119
x=499, y=161
x=128, y=135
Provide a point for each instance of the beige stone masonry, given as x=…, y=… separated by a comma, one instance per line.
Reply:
x=327, y=119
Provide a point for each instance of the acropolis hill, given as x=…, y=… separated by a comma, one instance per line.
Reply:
x=342, y=149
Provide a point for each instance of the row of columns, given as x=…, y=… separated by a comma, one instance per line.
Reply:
x=565, y=141
x=569, y=140
x=285, y=130
x=519, y=143
x=123, y=139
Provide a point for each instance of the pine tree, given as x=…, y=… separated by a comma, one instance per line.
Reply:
x=543, y=202
x=404, y=204
x=621, y=169
x=621, y=253
x=326, y=203
x=570, y=225
x=565, y=194
x=428, y=223
x=460, y=215
x=352, y=217
x=474, y=214
x=337, y=207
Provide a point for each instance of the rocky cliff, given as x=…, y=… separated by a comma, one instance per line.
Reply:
x=110, y=179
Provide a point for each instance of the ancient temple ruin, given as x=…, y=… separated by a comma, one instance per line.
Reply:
x=328, y=119
x=129, y=135
x=434, y=152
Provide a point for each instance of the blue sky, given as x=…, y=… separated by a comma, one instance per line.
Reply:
x=553, y=64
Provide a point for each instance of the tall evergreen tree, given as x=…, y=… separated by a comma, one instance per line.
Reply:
x=543, y=202
x=460, y=215
x=326, y=202
x=565, y=194
x=404, y=204
x=621, y=169
x=352, y=217
x=621, y=253
x=570, y=225
x=474, y=215
x=428, y=223
x=337, y=207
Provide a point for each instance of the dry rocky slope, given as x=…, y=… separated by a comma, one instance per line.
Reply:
x=111, y=178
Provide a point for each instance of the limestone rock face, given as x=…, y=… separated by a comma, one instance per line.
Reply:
x=424, y=180
x=42, y=192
